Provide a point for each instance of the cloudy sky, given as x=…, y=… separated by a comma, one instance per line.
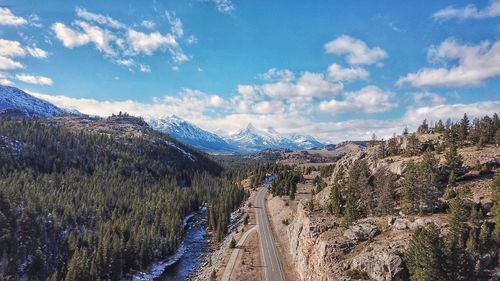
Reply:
x=335, y=71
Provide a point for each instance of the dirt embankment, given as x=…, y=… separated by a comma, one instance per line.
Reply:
x=248, y=263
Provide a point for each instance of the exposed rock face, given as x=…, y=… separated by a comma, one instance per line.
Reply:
x=379, y=263
x=403, y=224
x=319, y=251
x=361, y=231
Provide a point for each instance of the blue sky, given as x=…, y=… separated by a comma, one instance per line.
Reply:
x=333, y=69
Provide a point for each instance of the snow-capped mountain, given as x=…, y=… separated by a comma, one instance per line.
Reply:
x=305, y=141
x=15, y=100
x=193, y=135
x=252, y=139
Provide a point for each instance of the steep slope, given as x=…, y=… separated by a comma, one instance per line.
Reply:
x=91, y=182
x=193, y=135
x=14, y=100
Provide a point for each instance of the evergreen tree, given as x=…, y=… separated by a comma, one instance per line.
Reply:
x=464, y=128
x=410, y=188
x=335, y=200
x=384, y=185
x=439, y=128
x=423, y=128
x=350, y=212
x=453, y=161
x=459, y=263
x=425, y=257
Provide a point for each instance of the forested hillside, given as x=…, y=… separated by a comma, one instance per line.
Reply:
x=95, y=199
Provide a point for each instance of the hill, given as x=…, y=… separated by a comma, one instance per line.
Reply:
x=14, y=101
x=100, y=198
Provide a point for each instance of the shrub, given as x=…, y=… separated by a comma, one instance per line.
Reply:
x=357, y=274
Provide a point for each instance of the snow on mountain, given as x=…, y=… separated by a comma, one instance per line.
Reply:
x=14, y=99
x=193, y=135
x=305, y=141
x=252, y=139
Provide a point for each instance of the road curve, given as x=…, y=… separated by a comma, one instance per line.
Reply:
x=234, y=255
x=268, y=253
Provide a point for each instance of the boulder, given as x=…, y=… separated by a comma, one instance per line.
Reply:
x=362, y=231
x=401, y=224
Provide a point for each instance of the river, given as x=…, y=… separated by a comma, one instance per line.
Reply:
x=195, y=244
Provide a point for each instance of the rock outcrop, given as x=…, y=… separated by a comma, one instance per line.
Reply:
x=362, y=231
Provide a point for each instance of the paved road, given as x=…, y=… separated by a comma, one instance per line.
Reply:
x=234, y=255
x=268, y=253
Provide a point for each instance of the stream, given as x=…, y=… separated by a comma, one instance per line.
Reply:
x=188, y=258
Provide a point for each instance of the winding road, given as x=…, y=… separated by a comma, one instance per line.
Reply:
x=269, y=255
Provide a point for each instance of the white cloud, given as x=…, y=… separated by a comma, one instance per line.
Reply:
x=175, y=24
x=37, y=52
x=124, y=41
x=10, y=48
x=428, y=99
x=369, y=99
x=148, y=24
x=309, y=84
x=338, y=73
x=355, y=50
x=126, y=62
x=4, y=79
x=275, y=74
x=69, y=37
x=149, y=43
x=189, y=101
x=476, y=63
x=469, y=12
x=8, y=63
x=36, y=80
x=98, y=18
x=8, y=18
x=224, y=6
x=453, y=111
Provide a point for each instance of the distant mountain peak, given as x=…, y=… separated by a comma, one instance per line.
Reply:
x=252, y=139
x=191, y=134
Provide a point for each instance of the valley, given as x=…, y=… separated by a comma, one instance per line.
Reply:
x=231, y=140
x=134, y=203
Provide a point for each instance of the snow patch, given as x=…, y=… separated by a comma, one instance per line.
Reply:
x=186, y=154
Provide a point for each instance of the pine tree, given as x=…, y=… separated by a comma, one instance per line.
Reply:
x=453, y=161
x=350, y=212
x=459, y=263
x=425, y=257
x=335, y=200
x=464, y=128
x=439, y=128
x=384, y=184
x=424, y=127
x=428, y=179
x=411, y=188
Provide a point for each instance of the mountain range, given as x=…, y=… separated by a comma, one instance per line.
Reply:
x=243, y=141
x=247, y=140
